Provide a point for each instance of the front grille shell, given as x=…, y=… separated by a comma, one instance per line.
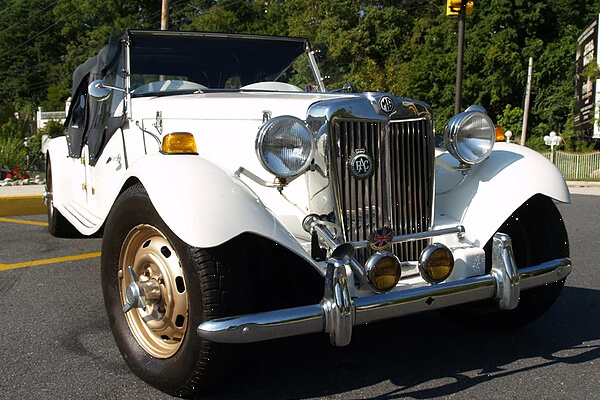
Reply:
x=399, y=194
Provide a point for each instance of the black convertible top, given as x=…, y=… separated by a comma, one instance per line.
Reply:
x=209, y=59
x=203, y=57
x=99, y=65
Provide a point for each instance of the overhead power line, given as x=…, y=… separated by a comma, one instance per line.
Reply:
x=31, y=16
x=3, y=12
x=39, y=33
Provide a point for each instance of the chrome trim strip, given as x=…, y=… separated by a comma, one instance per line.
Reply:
x=315, y=67
x=318, y=318
x=399, y=121
x=385, y=172
x=460, y=230
x=127, y=73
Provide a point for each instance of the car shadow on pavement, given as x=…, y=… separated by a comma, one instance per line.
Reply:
x=424, y=356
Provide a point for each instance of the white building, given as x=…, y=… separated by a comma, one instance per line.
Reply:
x=43, y=117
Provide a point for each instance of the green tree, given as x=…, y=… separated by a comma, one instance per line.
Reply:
x=406, y=47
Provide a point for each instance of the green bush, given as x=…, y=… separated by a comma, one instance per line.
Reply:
x=13, y=152
x=11, y=129
x=34, y=148
x=52, y=129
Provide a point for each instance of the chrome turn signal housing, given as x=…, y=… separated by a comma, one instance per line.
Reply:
x=436, y=263
x=383, y=270
x=179, y=143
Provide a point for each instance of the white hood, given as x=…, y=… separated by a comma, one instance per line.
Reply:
x=227, y=105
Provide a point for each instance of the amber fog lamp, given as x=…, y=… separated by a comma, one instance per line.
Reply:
x=436, y=263
x=383, y=270
x=179, y=143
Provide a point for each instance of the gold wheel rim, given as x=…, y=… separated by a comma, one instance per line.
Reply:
x=160, y=326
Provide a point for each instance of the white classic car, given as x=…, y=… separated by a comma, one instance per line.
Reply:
x=240, y=201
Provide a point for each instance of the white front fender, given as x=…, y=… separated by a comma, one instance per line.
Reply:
x=204, y=205
x=494, y=189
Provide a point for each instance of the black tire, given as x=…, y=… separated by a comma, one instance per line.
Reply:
x=58, y=225
x=187, y=365
x=538, y=234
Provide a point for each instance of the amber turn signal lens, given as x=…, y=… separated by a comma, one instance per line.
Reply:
x=179, y=143
x=436, y=263
x=500, y=137
x=383, y=270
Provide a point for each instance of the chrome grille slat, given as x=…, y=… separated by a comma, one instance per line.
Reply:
x=410, y=152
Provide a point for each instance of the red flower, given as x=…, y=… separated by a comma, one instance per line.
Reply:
x=16, y=171
x=9, y=175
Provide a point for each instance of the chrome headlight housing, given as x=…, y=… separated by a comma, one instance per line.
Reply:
x=470, y=137
x=284, y=146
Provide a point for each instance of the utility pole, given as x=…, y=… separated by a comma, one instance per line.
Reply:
x=164, y=17
x=459, y=63
x=164, y=24
x=527, y=98
x=459, y=9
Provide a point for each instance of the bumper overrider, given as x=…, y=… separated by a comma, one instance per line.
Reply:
x=338, y=312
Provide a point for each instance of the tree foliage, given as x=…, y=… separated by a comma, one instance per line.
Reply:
x=406, y=47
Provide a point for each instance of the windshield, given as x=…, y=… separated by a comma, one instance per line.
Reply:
x=167, y=62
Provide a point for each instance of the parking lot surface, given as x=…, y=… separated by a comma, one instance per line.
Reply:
x=55, y=340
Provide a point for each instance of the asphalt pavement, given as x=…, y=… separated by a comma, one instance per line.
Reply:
x=56, y=343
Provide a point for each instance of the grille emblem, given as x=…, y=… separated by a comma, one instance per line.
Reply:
x=381, y=239
x=386, y=104
x=361, y=164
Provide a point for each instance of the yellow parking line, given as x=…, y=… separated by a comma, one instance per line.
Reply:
x=23, y=221
x=4, y=267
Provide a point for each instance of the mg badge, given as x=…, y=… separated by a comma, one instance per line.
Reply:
x=386, y=104
x=381, y=239
x=361, y=164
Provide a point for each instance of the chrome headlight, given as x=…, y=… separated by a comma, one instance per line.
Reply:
x=470, y=137
x=284, y=146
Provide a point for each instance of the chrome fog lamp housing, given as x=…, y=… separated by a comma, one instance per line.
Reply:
x=470, y=136
x=284, y=146
x=383, y=271
x=436, y=263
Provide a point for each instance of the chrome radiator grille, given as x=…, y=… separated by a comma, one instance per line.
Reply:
x=400, y=192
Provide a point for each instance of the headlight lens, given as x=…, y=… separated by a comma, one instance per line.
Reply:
x=284, y=146
x=470, y=137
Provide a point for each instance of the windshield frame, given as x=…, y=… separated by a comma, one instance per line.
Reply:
x=210, y=58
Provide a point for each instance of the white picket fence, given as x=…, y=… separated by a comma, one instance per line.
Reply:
x=576, y=165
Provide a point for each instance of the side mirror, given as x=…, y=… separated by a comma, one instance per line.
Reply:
x=101, y=90
x=349, y=87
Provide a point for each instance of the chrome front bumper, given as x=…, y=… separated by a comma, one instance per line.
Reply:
x=338, y=312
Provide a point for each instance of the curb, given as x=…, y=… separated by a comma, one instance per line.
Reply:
x=583, y=184
x=22, y=205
